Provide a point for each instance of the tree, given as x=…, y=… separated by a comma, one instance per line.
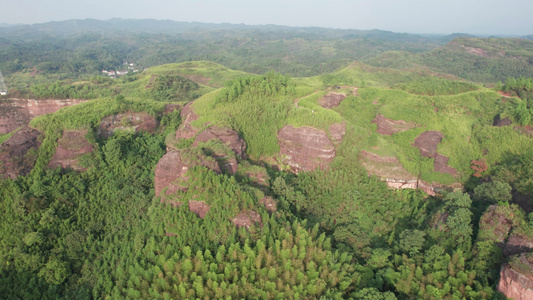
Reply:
x=460, y=216
x=412, y=241
x=493, y=192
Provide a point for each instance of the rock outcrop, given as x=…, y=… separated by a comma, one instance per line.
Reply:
x=390, y=170
x=186, y=130
x=428, y=142
x=135, y=122
x=247, y=219
x=171, y=107
x=170, y=172
x=389, y=127
x=331, y=100
x=516, y=277
x=200, y=208
x=518, y=243
x=440, y=164
x=15, y=153
x=337, y=132
x=70, y=147
x=15, y=113
x=495, y=224
x=501, y=122
x=503, y=225
x=227, y=136
x=269, y=203
x=230, y=139
x=305, y=148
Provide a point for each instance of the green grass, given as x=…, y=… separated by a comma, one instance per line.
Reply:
x=258, y=115
x=5, y=137
x=259, y=106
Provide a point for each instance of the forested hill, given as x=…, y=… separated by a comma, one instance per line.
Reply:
x=81, y=47
x=476, y=59
x=196, y=30
x=371, y=165
x=193, y=180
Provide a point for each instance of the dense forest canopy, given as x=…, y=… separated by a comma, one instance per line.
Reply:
x=398, y=177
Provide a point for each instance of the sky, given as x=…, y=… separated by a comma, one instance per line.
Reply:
x=492, y=17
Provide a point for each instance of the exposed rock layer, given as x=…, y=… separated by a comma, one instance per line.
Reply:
x=337, y=132
x=495, y=225
x=14, y=157
x=390, y=170
x=15, y=113
x=428, y=142
x=305, y=148
x=246, y=219
x=171, y=169
x=389, y=127
x=200, y=208
x=517, y=283
x=331, y=100
x=186, y=130
x=227, y=136
x=70, y=147
x=518, y=243
x=269, y=203
x=127, y=121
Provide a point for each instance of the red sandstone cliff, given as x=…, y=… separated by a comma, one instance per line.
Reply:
x=127, y=121
x=516, y=278
x=15, y=113
x=16, y=157
x=305, y=148
x=70, y=147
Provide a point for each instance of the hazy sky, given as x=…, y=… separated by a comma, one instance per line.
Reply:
x=413, y=16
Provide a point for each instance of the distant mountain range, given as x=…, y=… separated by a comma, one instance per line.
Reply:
x=186, y=29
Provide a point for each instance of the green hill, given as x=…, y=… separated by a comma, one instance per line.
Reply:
x=475, y=59
x=272, y=229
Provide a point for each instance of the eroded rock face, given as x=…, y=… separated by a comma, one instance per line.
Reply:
x=169, y=108
x=390, y=170
x=495, y=225
x=200, y=208
x=269, y=203
x=440, y=164
x=14, y=157
x=518, y=243
x=186, y=130
x=259, y=179
x=501, y=122
x=412, y=184
x=15, y=113
x=386, y=167
x=227, y=136
x=428, y=142
x=331, y=100
x=70, y=147
x=516, y=278
x=136, y=122
x=171, y=169
x=305, y=148
x=337, y=132
x=389, y=127
x=246, y=219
